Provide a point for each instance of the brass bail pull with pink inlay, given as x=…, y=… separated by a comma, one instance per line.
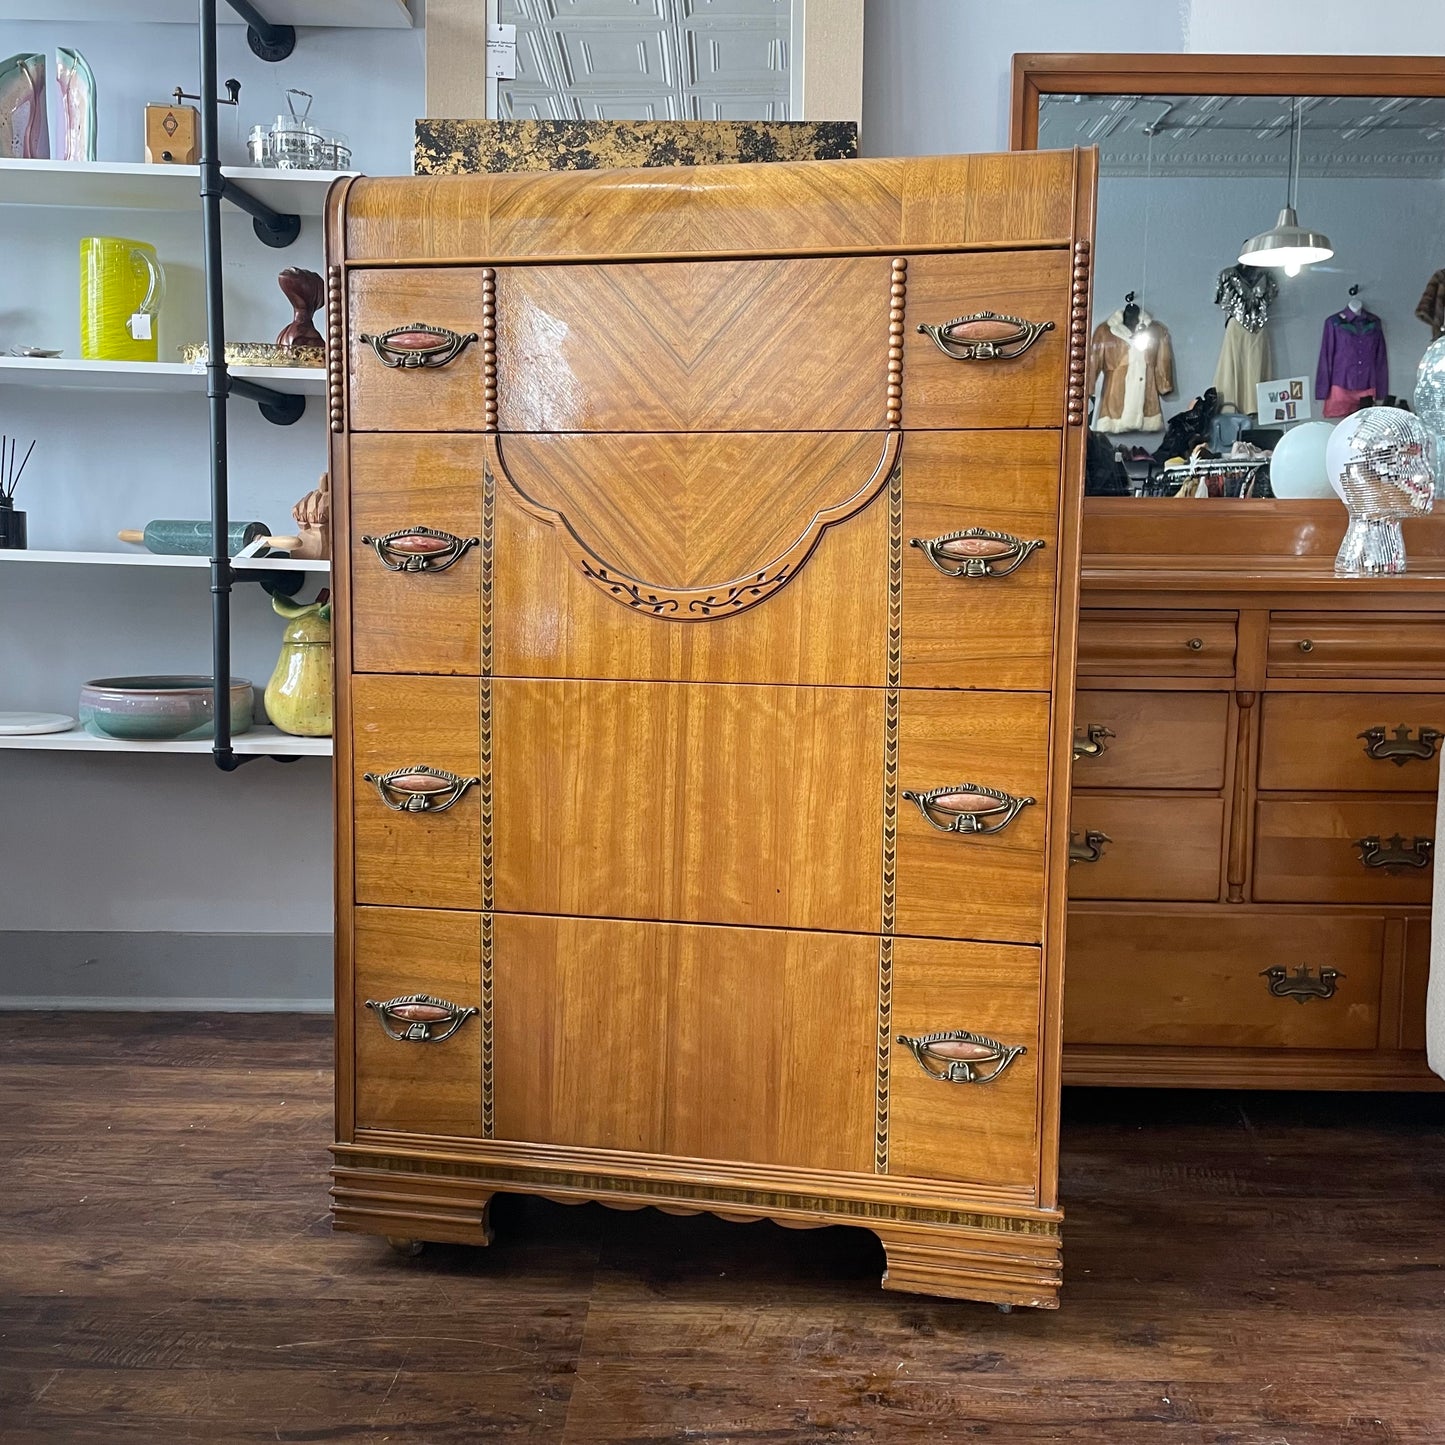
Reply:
x=968, y=808
x=418, y=345
x=418, y=1018
x=419, y=789
x=957, y=1056
x=985, y=336
x=976, y=552
x=420, y=549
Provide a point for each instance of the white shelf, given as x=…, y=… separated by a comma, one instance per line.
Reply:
x=135, y=186
x=343, y=14
x=152, y=559
x=264, y=740
x=57, y=373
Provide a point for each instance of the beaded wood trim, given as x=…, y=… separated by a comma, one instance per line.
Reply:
x=1079, y=335
x=335, y=350
x=489, y=346
x=897, y=294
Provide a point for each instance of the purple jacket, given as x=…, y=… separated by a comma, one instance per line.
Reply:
x=1353, y=355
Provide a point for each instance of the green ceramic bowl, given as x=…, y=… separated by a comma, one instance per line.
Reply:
x=150, y=709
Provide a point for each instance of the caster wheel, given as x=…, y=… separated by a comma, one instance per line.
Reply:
x=408, y=1247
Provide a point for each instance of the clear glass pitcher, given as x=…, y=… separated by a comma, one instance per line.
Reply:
x=122, y=288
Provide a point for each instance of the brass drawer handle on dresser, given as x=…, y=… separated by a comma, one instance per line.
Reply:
x=959, y=1057
x=418, y=345
x=420, y=549
x=1092, y=743
x=985, y=336
x=1300, y=985
x=968, y=808
x=976, y=552
x=418, y=1018
x=1393, y=854
x=1089, y=848
x=1399, y=748
x=419, y=789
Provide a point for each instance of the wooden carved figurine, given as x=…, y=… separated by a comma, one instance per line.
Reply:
x=306, y=292
x=313, y=522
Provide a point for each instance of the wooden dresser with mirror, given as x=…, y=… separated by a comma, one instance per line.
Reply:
x=1257, y=742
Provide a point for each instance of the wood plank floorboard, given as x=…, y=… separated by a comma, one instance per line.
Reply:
x=1241, y=1269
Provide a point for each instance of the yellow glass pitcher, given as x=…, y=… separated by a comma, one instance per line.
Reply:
x=122, y=286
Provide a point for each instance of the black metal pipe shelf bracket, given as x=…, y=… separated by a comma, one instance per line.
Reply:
x=278, y=407
x=272, y=228
x=268, y=41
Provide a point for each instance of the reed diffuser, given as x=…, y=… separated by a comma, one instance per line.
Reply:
x=12, y=522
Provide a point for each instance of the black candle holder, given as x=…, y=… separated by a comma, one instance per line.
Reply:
x=13, y=537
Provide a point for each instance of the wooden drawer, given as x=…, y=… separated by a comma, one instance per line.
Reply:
x=745, y=1044
x=1311, y=853
x=1329, y=644
x=1416, y=983
x=969, y=630
x=416, y=611
x=431, y=1082
x=416, y=859
x=1197, y=979
x=985, y=1132
x=448, y=397
x=942, y=390
x=1150, y=739
x=1312, y=742
x=1158, y=644
x=1145, y=848
x=971, y=885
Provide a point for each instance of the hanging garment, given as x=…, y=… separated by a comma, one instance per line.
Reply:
x=1246, y=293
x=1354, y=363
x=1431, y=309
x=1243, y=364
x=1135, y=377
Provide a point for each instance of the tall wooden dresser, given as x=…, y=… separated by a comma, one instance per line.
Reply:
x=706, y=567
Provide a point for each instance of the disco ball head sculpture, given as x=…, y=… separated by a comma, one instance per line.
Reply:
x=1381, y=465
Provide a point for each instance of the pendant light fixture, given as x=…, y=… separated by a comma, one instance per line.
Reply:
x=1287, y=244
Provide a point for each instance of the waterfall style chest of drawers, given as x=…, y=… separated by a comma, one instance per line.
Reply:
x=706, y=572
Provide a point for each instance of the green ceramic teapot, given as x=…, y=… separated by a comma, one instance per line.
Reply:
x=298, y=697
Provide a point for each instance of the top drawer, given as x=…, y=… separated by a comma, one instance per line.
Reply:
x=798, y=344
x=1384, y=644
x=1155, y=644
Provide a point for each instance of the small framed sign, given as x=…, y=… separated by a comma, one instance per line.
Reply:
x=1283, y=401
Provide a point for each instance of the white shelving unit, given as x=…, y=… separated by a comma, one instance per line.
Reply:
x=61, y=373
x=136, y=186
x=152, y=559
x=342, y=14
x=263, y=740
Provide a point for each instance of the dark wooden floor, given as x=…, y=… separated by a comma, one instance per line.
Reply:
x=1242, y=1270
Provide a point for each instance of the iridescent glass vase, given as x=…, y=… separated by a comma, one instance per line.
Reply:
x=1384, y=475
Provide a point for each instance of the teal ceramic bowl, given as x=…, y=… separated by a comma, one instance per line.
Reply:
x=154, y=709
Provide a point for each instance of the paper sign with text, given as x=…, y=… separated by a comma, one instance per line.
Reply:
x=1283, y=401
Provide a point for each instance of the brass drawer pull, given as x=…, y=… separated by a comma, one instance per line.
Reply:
x=1305, y=645
x=418, y=345
x=1092, y=743
x=1195, y=644
x=976, y=552
x=418, y=1018
x=419, y=789
x=1401, y=747
x=1089, y=848
x=986, y=336
x=420, y=549
x=959, y=1057
x=968, y=808
x=1393, y=854
x=1299, y=985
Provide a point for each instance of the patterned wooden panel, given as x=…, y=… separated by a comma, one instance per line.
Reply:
x=711, y=1043
x=694, y=346
x=688, y=802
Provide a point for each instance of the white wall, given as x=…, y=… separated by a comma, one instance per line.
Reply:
x=1316, y=27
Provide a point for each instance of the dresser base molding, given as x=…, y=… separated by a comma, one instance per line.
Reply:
x=1002, y=1254
x=1104, y=1066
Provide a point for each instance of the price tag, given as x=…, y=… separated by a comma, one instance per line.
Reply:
x=139, y=326
x=502, y=52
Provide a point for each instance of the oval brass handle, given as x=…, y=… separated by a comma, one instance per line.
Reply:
x=1089, y=848
x=419, y=789
x=985, y=336
x=1299, y=985
x=417, y=345
x=1401, y=747
x=1393, y=854
x=1195, y=644
x=420, y=549
x=1092, y=743
x=976, y=552
x=956, y=1056
x=418, y=1018
x=1305, y=645
x=968, y=808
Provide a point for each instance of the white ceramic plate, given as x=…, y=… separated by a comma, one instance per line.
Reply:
x=17, y=724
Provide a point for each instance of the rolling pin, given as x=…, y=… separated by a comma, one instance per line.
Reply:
x=193, y=539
